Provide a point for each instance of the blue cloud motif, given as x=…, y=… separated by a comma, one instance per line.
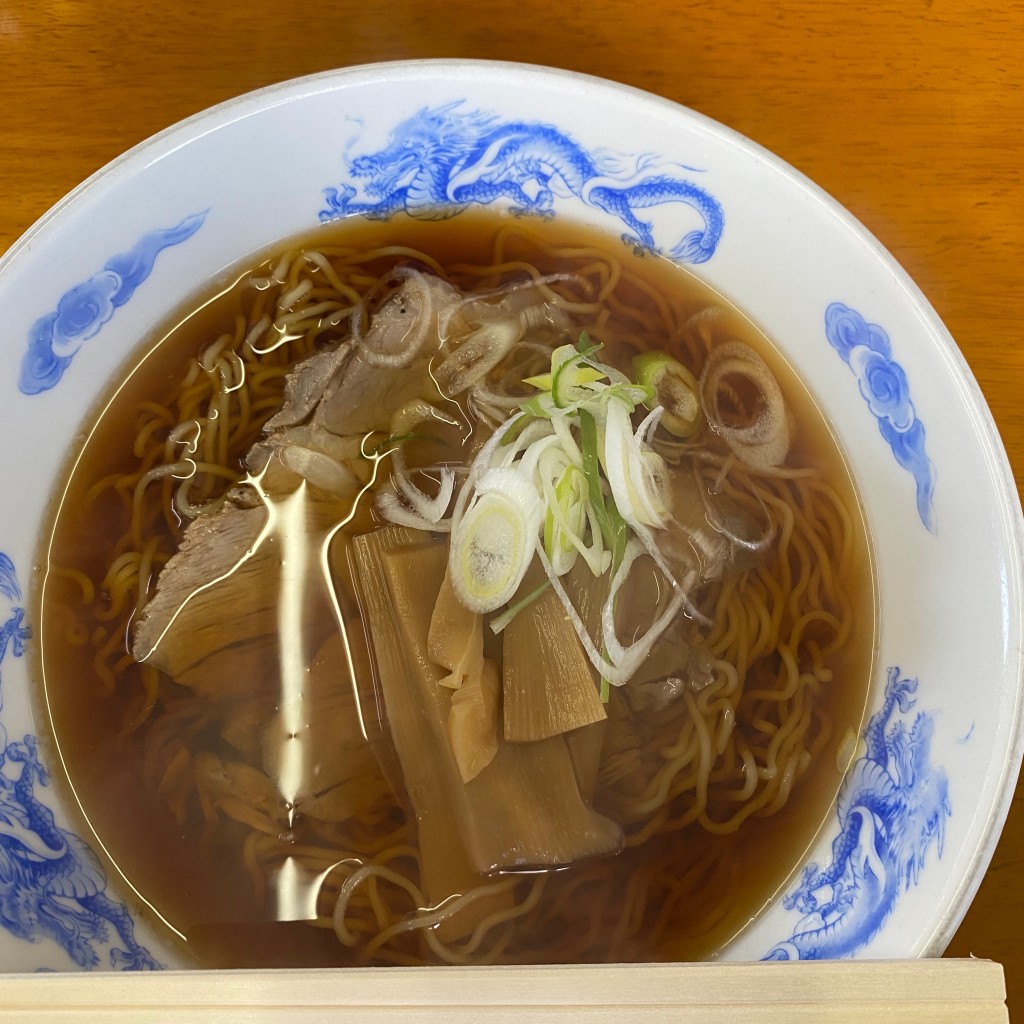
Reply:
x=81, y=312
x=884, y=387
x=848, y=330
x=51, y=884
x=883, y=384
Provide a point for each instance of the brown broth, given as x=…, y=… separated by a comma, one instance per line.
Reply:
x=193, y=879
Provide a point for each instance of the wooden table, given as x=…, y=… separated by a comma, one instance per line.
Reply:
x=911, y=116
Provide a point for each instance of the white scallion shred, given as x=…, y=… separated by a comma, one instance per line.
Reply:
x=394, y=511
x=493, y=544
x=565, y=477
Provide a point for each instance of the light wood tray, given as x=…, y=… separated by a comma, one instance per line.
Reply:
x=866, y=992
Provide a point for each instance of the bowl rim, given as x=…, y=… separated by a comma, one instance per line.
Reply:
x=213, y=118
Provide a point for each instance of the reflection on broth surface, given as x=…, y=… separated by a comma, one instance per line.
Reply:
x=467, y=591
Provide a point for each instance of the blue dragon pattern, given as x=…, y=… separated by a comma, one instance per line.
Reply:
x=51, y=885
x=444, y=159
x=892, y=809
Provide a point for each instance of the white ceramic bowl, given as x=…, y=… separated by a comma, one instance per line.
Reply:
x=923, y=806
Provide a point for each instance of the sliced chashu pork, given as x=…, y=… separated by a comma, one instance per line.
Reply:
x=355, y=389
x=215, y=622
x=212, y=623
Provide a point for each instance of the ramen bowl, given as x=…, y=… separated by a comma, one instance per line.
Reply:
x=927, y=782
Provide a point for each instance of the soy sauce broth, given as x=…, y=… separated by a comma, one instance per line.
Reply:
x=193, y=878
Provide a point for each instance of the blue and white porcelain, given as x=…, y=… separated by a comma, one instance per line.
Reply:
x=893, y=870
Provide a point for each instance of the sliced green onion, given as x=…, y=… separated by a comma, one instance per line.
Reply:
x=585, y=346
x=612, y=525
x=571, y=376
x=431, y=509
x=499, y=622
x=566, y=521
x=761, y=439
x=636, y=474
x=627, y=659
x=425, y=508
x=567, y=477
x=394, y=511
x=675, y=390
x=493, y=544
x=542, y=381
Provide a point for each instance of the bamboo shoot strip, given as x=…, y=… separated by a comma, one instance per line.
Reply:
x=524, y=809
x=416, y=712
x=548, y=686
x=585, y=747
